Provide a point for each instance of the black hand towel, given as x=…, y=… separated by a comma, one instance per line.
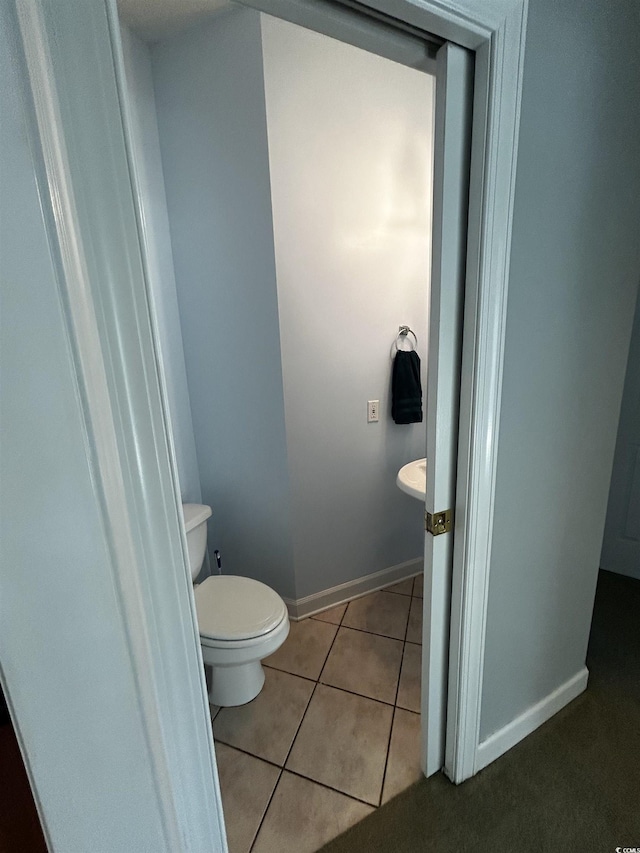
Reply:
x=406, y=390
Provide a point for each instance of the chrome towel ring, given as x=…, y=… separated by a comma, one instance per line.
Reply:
x=403, y=331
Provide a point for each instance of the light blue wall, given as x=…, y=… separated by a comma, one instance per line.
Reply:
x=307, y=501
x=211, y=116
x=574, y=272
x=350, y=155
x=64, y=660
x=157, y=245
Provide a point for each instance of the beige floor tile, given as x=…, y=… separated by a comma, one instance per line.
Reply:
x=410, y=678
x=402, y=588
x=246, y=784
x=267, y=726
x=364, y=663
x=305, y=649
x=380, y=613
x=333, y=614
x=414, y=629
x=343, y=742
x=213, y=710
x=418, y=585
x=304, y=816
x=403, y=764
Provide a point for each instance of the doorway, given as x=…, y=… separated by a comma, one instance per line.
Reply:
x=344, y=210
x=100, y=226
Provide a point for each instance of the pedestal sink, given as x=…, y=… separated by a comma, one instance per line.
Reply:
x=412, y=478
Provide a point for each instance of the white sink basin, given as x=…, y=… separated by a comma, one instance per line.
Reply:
x=412, y=478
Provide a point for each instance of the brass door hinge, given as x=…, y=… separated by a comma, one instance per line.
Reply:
x=439, y=522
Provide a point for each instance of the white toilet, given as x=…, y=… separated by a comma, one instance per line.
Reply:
x=241, y=621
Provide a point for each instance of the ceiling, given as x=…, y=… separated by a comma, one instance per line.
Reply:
x=155, y=19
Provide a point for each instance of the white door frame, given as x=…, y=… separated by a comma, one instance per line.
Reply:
x=115, y=360
x=82, y=176
x=497, y=34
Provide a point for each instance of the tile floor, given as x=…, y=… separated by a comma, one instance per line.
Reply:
x=335, y=731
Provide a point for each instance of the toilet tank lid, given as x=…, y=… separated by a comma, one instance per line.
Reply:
x=194, y=514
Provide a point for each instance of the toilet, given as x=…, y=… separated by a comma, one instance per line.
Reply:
x=241, y=621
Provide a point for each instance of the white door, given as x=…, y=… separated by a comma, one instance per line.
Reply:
x=454, y=85
x=621, y=545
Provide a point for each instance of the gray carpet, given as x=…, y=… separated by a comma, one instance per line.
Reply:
x=573, y=785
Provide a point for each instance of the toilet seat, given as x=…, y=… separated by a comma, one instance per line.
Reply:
x=237, y=611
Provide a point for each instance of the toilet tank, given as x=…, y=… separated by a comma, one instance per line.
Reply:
x=195, y=524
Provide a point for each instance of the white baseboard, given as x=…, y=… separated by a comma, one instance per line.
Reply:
x=515, y=731
x=302, y=608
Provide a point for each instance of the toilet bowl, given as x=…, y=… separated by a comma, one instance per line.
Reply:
x=241, y=621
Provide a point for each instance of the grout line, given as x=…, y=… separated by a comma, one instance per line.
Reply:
x=344, y=604
x=406, y=627
x=304, y=714
x=328, y=653
x=257, y=832
x=287, y=672
x=331, y=788
x=413, y=595
x=355, y=598
x=386, y=760
x=395, y=702
x=360, y=695
x=373, y=633
x=293, y=740
x=393, y=713
x=250, y=754
x=318, y=681
x=353, y=692
x=408, y=711
x=308, y=677
x=387, y=636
